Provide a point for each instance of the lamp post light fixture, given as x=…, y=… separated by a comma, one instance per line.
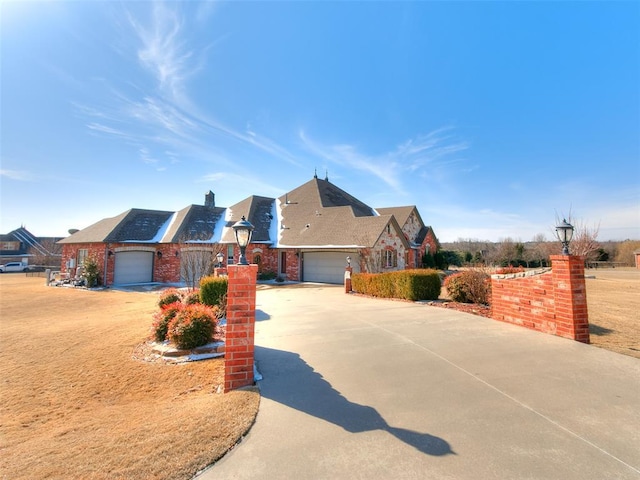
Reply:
x=220, y=258
x=565, y=234
x=348, y=261
x=243, y=230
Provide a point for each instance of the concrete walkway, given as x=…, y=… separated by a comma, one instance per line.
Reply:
x=376, y=389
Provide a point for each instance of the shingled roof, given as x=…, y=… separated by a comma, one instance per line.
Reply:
x=319, y=214
x=315, y=214
x=193, y=223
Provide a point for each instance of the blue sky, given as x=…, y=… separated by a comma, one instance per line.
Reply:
x=493, y=118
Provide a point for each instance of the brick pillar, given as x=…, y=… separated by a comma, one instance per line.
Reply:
x=347, y=279
x=220, y=272
x=241, y=317
x=570, y=297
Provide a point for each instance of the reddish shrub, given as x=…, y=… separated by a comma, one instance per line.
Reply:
x=193, y=326
x=509, y=269
x=162, y=318
x=171, y=295
x=470, y=286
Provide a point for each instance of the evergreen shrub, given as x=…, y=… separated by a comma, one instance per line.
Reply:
x=213, y=290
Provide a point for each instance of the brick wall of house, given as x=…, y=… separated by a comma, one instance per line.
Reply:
x=166, y=268
x=412, y=227
x=96, y=251
x=550, y=301
x=292, y=270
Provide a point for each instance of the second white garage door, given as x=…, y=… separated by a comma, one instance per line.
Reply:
x=133, y=267
x=325, y=267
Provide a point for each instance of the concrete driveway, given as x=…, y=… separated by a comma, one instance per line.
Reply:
x=376, y=389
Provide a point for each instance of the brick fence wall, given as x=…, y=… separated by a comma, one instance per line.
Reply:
x=550, y=301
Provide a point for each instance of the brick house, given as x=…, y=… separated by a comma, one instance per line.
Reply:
x=304, y=235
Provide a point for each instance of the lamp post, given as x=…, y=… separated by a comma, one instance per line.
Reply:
x=565, y=234
x=220, y=258
x=348, y=261
x=243, y=230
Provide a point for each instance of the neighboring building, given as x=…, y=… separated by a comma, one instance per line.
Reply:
x=20, y=245
x=636, y=256
x=304, y=235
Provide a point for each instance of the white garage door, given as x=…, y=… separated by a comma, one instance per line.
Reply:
x=325, y=267
x=133, y=267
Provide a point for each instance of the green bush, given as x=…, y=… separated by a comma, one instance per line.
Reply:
x=192, y=326
x=170, y=295
x=405, y=284
x=91, y=272
x=162, y=319
x=470, y=286
x=213, y=290
x=267, y=275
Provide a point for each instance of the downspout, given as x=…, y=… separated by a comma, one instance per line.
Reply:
x=106, y=259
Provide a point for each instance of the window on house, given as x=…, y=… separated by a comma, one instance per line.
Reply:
x=229, y=254
x=83, y=253
x=391, y=258
x=283, y=263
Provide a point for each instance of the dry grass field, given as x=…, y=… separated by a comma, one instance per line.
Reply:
x=75, y=404
x=613, y=298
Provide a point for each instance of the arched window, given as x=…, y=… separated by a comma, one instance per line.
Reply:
x=257, y=259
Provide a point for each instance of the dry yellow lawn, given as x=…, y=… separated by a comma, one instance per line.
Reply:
x=74, y=404
x=613, y=298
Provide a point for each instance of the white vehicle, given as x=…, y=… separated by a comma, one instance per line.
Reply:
x=14, y=267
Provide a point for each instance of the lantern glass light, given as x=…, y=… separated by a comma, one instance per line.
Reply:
x=243, y=230
x=565, y=234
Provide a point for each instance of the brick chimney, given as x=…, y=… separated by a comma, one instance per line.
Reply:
x=210, y=199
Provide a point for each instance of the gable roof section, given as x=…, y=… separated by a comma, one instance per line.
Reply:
x=195, y=223
x=257, y=210
x=402, y=214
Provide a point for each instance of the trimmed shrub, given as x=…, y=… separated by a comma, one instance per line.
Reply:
x=192, y=298
x=267, y=275
x=470, y=286
x=213, y=290
x=405, y=284
x=162, y=319
x=193, y=326
x=170, y=295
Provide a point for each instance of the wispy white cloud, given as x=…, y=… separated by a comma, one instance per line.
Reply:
x=167, y=48
x=436, y=149
x=20, y=175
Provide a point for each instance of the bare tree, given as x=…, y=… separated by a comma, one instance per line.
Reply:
x=584, y=242
x=197, y=261
x=47, y=254
x=370, y=260
x=624, y=253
